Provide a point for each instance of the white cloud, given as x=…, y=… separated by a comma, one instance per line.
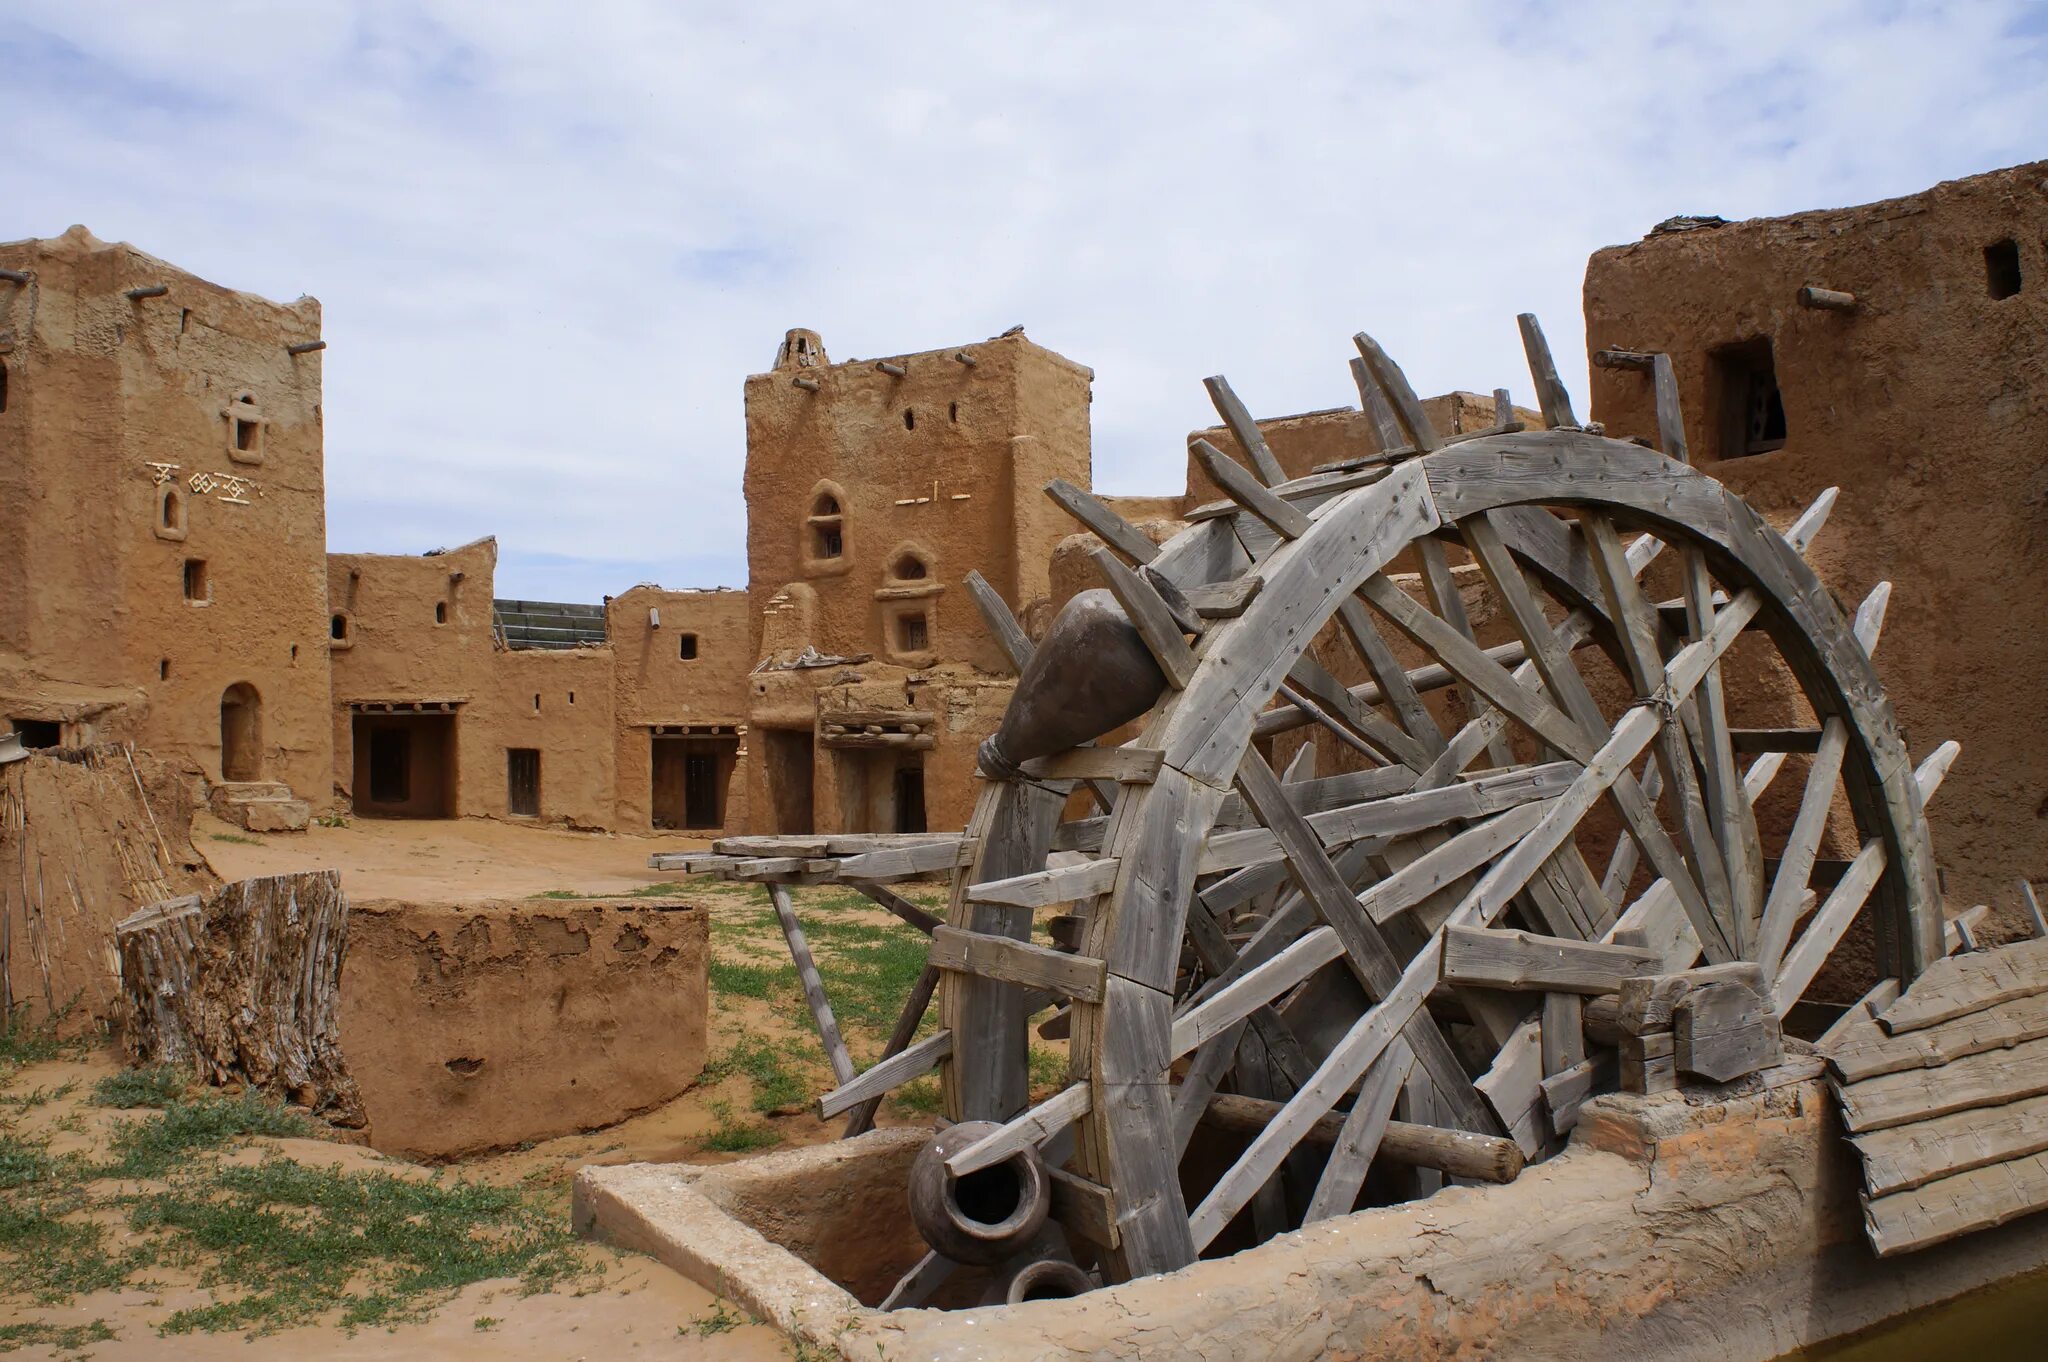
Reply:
x=551, y=241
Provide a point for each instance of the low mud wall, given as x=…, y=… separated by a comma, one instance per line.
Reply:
x=1691, y=1225
x=490, y=1024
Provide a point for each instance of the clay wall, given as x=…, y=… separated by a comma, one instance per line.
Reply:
x=671, y=707
x=487, y=1025
x=162, y=518
x=942, y=464
x=558, y=704
x=1925, y=405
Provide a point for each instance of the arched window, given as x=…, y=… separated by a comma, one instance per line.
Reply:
x=337, y=628
x=825, y=526
x=241, y=733
x=909, y=567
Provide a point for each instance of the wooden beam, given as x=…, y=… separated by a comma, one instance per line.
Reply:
x=1824, y=930
x=1029, y=1130
x=814, y=987
x=900, y=906
x=890, y=1073
x=1407, y=407
x=1095, y=515
x=1488, y=957
x=862, y=1118
x=1481, y=1158
x=1018, y=962
x=1358, y=1140
x=1551, y=395
x=1802, y=844
x=1148, y=613
x=1257, y=987
x=1042, y=888
x=1247, y=431
x=995, y=612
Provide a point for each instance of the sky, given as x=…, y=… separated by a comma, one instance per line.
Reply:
x=551, y=240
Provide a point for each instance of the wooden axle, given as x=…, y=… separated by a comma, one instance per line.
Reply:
x=893, y=370
x=1483, y=1158
x=148, y=291
x=15, y=276
x=809, y=385
x=305, y=347
x=1827, y=299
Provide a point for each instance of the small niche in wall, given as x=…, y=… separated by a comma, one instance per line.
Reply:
x=245, y=429
x=163, y=669
x=170, y=512
x=572, y=697
x=39, y=733
x=536, y=702
x=440, y=612
x=953, y=411
x=198, y=589
x=3, y=385
x=2002, y=268
x=909, y=419
x=337, y=628
x=686, y=647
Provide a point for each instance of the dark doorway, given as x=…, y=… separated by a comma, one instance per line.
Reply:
x=522, y=781
x=910, y=799
x=391, y=765
x=690, y=778
x=404, y=765
x=241, y=733
x=787, y=761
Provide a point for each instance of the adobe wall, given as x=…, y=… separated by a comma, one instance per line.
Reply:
x=656, y=686
x=1926, y=406
x=119, y=461
x=945, y=461
x=487, y=1025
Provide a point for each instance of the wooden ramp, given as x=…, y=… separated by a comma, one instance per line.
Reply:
x=1944, y=1093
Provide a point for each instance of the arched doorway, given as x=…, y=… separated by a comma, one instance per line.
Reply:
x=241, y=733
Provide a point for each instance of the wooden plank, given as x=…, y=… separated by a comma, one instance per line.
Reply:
x=1869, y=625
x=1567, y=1090
x=1128, y=1138
x=1514, y=1086
x=1148, y=613
x=915, y=1287
x=1018, y=962
x=1372, y=400
x=1551, y=396
x=1825, y=928
x=901, y=907
x=1481, y=1158
x=814, y=987
x=1028, y=1131
x=1725, y=1030
x=907, y=863
x=1085, y=1208
x=1959, y=1205
x=1914, y=1155
x=891, y=1073
x=1129, y=765
x=1802, y=843
x=1093, y=513
x=2033, y=906
x=1002, y=624
x=862, y=1118
x=1449, y=862
x=1365, y=950
x=1226, y=600
x=1042, y=888
x=1968, y=984
x=1490, y=957
x=1990, y=1079
x=1564, y=1032
x=1247, y=431
x=1729, y=814
x=1358, y=1140
x=1400, y=395
x=1254, y=989
x=1283, y=518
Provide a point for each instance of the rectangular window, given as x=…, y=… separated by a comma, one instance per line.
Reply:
x=197, y=589
x=1750, y=408
x=2002, y=268
x=913, y=634
x=522, y=781
x=39, y=732
x=686, y=647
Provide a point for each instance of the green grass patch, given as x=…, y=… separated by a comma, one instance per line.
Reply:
x=237, y=838
x=63, y=1338
x=740, y=980
x=919, y=1095
x=153, y=1146
x=733, y=1136
x=1048, y=1068
x=153, y=1087
x=32, y=1042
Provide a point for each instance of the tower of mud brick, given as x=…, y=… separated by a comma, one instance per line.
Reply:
x=1898, y=351
x=873, y=487
x=162, y=530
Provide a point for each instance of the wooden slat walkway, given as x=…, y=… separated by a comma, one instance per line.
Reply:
x=1943, y=1095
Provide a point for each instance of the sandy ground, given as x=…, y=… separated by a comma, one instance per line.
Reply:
x=441, y=862
x=639, y=1309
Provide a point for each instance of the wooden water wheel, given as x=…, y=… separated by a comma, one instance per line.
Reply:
x=1276, y=981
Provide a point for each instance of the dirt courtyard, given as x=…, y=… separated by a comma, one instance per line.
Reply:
x=67, y=1148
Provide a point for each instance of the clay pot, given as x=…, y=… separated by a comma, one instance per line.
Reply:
x=1090, y=673
x=985, y=1217
x=1046, y=1280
